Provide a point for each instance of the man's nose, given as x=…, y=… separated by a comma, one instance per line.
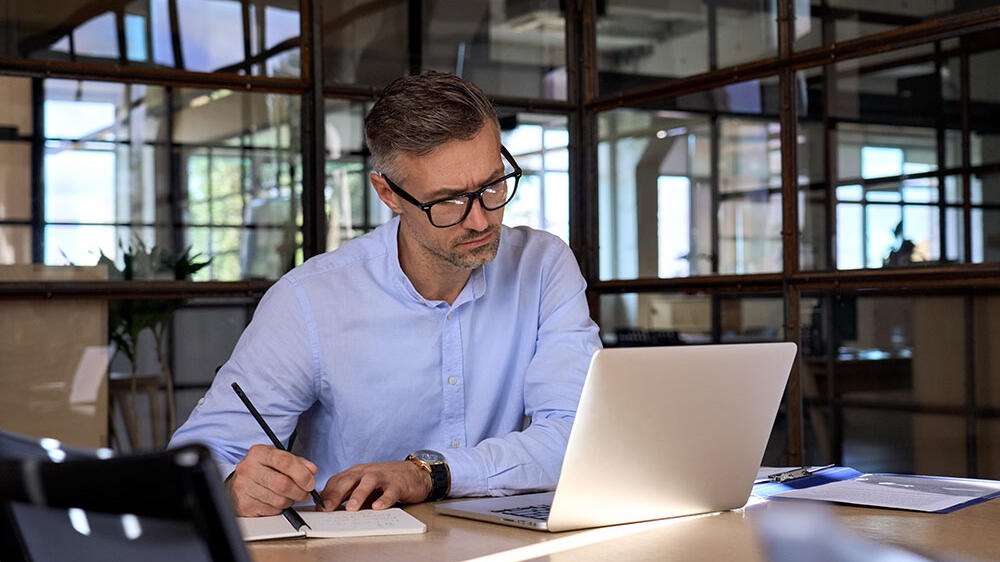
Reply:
x=476, y=219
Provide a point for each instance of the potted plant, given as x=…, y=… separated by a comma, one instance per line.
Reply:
x=128, y=318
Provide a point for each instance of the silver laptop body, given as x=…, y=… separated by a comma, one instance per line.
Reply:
x=659, y=432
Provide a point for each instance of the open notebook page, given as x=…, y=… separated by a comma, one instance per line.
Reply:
x=334, y=524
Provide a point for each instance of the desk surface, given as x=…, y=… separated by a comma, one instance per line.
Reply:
x=970, y=532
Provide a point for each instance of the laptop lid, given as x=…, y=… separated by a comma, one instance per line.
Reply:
x=668, y=431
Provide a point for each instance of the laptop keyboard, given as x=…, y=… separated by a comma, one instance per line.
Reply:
x=539, y=512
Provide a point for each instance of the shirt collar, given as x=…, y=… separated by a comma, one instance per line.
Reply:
x=477, y=281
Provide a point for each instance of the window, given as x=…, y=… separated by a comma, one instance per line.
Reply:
x=539, y=143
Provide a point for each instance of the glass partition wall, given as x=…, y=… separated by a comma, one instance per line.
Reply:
x=816, y=172
x=820, y=172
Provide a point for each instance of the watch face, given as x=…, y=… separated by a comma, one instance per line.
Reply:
x=428, y=456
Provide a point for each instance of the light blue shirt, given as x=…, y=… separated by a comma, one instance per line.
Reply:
x=346, y=348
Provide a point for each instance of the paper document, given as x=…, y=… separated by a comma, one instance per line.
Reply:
x=334, y=524
x=916, y=493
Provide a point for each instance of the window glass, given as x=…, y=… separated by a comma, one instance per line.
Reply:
x=210, y=35
x=352, y=206
x=97, y=37
x=664, y=173
x=897, y=192
x=984, y=94
x=108, y=177
x=988, y=448
x=163, y=49
x=640, y=319
x=15, y=170
x=641, y=43
x=15, y=181
x=508, y=48
x=539, y=143
x=135, y=38
x=887, y=356
x=850, y=19
x=15, y=244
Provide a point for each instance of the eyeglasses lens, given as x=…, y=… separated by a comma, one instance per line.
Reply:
x=452, y=211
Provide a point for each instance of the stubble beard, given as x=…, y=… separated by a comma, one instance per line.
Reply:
x=469, y=259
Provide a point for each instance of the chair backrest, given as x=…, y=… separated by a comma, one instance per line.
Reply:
x=77, y=504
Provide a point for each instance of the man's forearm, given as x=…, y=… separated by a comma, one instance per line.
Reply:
x=520, y=462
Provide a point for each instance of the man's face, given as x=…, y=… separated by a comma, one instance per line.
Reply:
x=454, y=168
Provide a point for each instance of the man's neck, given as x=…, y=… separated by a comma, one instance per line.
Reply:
x=432, y=277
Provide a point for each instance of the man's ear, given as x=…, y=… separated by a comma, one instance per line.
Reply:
x=385, y=193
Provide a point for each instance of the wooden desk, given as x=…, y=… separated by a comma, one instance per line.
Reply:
x=971, y=532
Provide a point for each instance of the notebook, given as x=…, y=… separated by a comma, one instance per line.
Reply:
x=333, y=524
x=659, y=432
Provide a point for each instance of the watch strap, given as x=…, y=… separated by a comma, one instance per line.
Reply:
x=439, y=481
x=440, y=477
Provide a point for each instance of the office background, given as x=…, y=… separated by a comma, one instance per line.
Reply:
x=820, y=171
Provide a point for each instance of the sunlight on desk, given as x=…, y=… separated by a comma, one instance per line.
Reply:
x=584, y=538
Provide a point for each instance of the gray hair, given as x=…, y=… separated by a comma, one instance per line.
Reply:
x=417, y=114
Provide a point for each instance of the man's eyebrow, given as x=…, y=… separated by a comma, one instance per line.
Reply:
x=442, y=193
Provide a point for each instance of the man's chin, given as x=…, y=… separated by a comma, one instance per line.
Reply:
x=477, y=257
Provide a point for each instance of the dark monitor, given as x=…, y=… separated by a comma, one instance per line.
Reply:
x=63, y=503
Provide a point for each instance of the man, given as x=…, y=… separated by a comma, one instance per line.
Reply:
x=440, y=331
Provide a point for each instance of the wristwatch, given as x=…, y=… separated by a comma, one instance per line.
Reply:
x=433, y=462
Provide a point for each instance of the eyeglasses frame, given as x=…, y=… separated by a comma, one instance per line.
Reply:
x=472, y=195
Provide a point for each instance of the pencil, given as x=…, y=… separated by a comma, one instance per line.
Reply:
x=263, y=425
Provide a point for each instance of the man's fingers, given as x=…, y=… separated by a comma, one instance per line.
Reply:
x=390, y=495
x=247, y=506
x=280, y=484
x=268, y=498
x=337, y=488
x=369, y=482
x=252, y=499
x=294, y=467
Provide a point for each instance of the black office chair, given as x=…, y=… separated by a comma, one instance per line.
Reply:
x=167, y=506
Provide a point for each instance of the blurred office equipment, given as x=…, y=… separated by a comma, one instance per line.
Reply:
x=59, y=502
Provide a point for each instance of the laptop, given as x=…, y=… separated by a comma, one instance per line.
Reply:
x=659, y=432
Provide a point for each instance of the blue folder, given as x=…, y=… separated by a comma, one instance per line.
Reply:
x=770, y=489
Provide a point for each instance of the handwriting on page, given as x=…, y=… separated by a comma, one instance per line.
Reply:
x=359, y=523
x=366, y=519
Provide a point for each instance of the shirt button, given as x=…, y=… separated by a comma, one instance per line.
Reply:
x=452, y=380
x=201, y=400
x=454, y=444
x=449, y=316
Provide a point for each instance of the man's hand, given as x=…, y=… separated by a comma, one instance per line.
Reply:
x=383, y=483
x=268, y=480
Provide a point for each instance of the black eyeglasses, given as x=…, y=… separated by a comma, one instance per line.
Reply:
x=453, y=209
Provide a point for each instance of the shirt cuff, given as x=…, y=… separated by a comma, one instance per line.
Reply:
x=468, y=473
